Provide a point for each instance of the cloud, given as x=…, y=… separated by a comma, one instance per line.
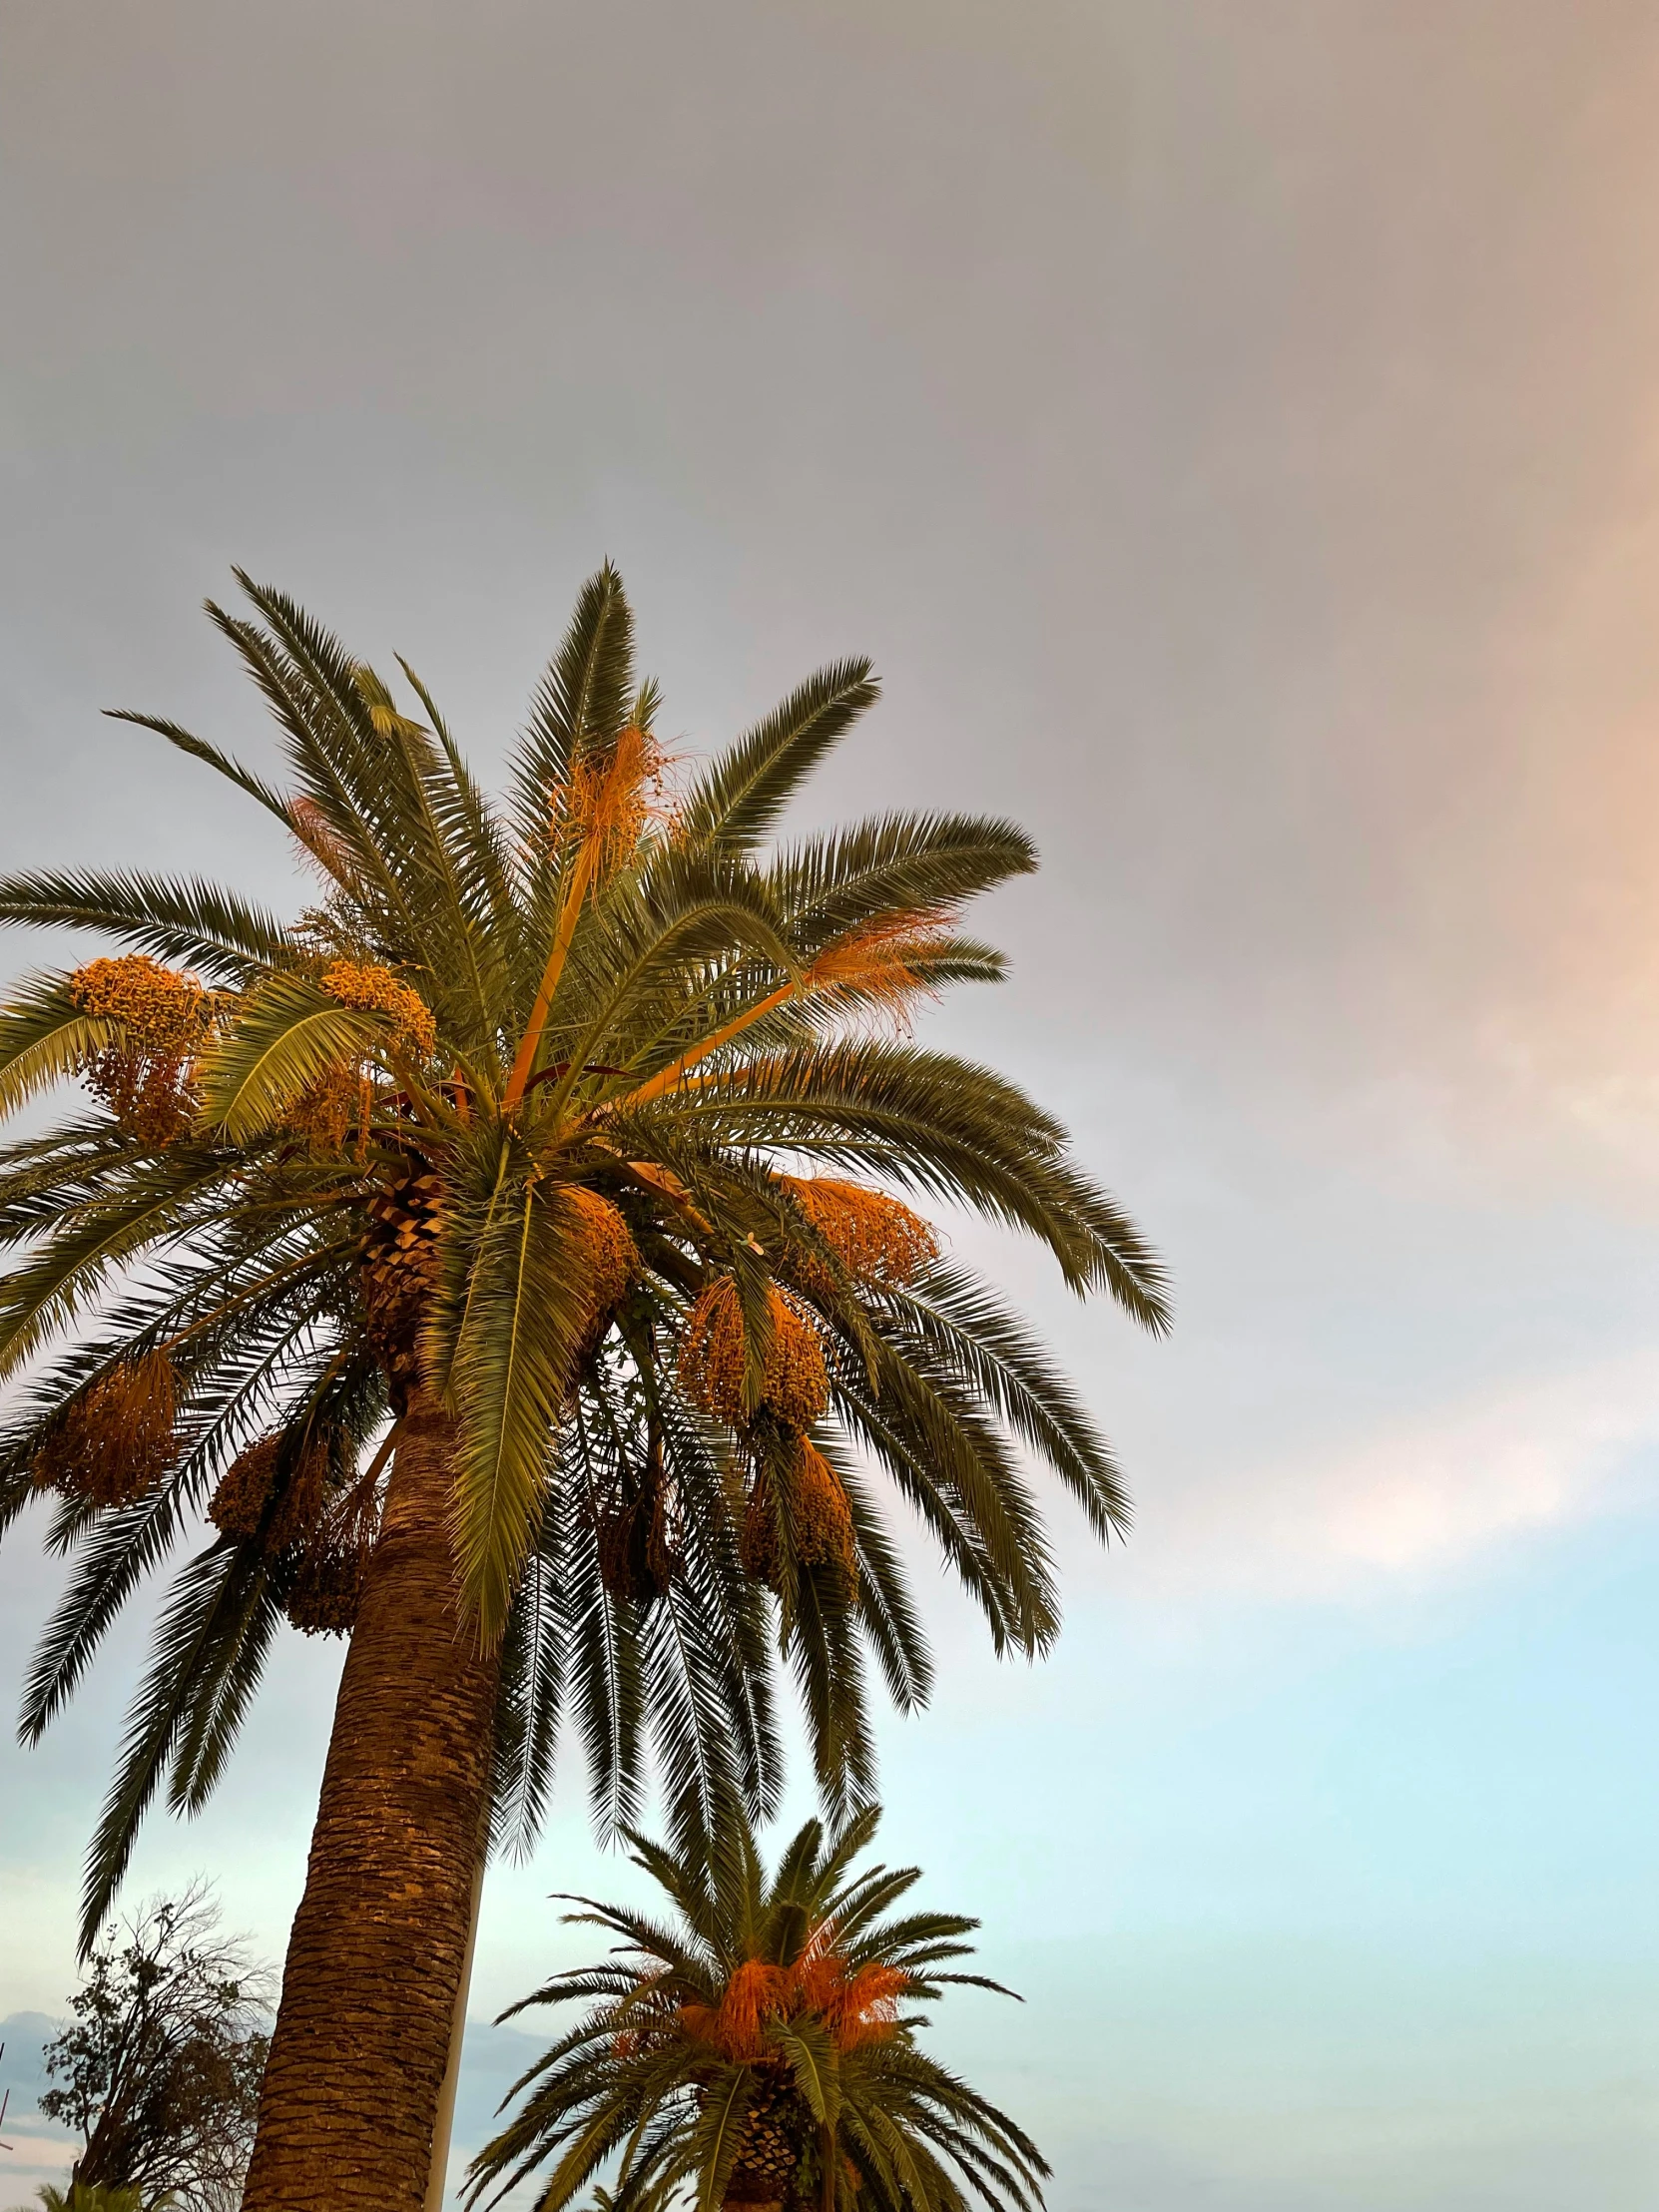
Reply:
x=1424, y=1500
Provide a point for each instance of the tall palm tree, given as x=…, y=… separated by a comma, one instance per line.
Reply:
x=752, y=2049
x=505, y=1255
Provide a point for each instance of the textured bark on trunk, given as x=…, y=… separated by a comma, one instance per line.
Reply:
x=380, y=1943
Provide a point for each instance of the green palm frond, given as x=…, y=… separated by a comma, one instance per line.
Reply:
x=581, y=703
x=199, y=749
x=290, y=1033
x=583, y=699
x=739, y=798
x=524, y=1318
x=197, y=1656
x=209, y=927
x=44, y=1037
x=122, y=1549
x=896, y=863
x=156, y=1203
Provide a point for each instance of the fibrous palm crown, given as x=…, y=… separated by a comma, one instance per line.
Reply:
x=757, y=2047
x=582, y=1114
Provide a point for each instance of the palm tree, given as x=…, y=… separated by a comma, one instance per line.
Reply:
x=505, y=1256
x=751, y=2051
x=94, y=2196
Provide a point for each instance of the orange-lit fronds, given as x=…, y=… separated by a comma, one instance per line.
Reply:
x=794, y=1384
x=368, y=989
x=855, y=2004
x=115, y=1442
x=611, y=797
x=883, y=963
x=143, y=1077
x=858, y=2005
x=601, y=815
x=876, y=1239
x=757, y=1993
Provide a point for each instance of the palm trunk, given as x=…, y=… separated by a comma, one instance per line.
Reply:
x=378, y=1948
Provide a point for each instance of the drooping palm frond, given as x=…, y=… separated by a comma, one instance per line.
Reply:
x=199, y=749
x=203, y=924
x=211, y=1641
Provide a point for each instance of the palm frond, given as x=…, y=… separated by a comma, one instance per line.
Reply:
x=195, y=1647
x=896, y=863
x=514, y=1352
x=44, y=1037
x=215, y=930
x=199, y=749
x=739, y=797
x=582, y=701
x=289, y=1035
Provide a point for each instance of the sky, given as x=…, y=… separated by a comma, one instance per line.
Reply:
x=1234, y=432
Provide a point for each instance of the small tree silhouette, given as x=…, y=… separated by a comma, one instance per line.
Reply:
x=159, y=2070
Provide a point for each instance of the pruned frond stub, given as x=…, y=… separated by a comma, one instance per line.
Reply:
x=398, y=1268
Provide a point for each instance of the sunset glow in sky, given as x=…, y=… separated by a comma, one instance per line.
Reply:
x=1234, y=432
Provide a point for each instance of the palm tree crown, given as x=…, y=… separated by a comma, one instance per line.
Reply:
x=582, y=1116
x=756, y=2048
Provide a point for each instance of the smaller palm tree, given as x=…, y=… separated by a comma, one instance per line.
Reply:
x=755, y=2050
x=94, y=2196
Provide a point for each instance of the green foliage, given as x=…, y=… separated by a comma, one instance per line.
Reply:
x=159, y=2069
x=632, y=1001
x=83, y=2196
x=758, y=2041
